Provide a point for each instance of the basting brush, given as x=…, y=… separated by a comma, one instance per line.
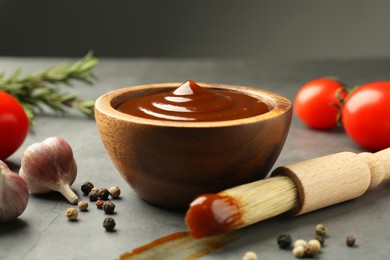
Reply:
x=296, y=189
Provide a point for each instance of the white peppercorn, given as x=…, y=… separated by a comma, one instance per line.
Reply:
x=82, y=205
x=300, y=242
x=312, y=248
x=315, y=243
x=115, y=192
x=299, y=251
x=250, y=256
x=72, y=214
x=321, y=230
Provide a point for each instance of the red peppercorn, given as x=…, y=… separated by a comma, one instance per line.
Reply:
x=99, y=204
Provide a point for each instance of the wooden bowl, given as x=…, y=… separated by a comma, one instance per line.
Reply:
x=169, y=163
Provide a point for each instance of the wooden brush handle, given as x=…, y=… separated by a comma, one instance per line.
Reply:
x=335, y=178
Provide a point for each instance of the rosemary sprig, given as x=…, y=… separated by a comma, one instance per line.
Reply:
x=40, y=89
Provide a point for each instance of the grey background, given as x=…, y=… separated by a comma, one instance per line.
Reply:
x=265, y=30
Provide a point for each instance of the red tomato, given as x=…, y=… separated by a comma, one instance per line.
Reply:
x=366, y=115
x=316, y=103
x=14, y=125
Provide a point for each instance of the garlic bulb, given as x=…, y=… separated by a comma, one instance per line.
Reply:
x=13, y=194
x=50, y=166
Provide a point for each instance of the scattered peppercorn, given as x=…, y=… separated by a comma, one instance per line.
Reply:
x=86, y=187
x=115, y=192
x=320, y=239
x=250, y=256
x=83, y=205
x=108, y=207
x=93, y=195
x=103, y=194
x=312, y=248
x=310, y=252
x=95, y=189
x=299, y=251
x=109, y=224
x=300, y=242
x=284, y=241
x=350, y=241
x=321, y=230
x=72, y=214
x=99, y=204
x=315, y=243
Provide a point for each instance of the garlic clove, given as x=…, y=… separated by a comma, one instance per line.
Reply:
x=68, y=193
x=14, y=194
x=50, y=166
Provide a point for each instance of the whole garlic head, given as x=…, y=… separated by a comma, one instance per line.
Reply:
x=13, y=194
x=50, y=166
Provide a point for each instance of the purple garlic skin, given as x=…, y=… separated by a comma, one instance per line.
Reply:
x=50, y=166
x=14, y=194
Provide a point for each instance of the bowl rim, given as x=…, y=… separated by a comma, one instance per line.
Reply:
x=278, y=104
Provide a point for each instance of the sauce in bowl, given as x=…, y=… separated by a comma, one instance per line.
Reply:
x=193, y=103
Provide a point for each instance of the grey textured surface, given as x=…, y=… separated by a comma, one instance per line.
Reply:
x=42, y=231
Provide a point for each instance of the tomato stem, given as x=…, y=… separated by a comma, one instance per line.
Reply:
x=341, y=95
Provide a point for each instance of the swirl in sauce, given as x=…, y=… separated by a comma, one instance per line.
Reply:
x=193, y=103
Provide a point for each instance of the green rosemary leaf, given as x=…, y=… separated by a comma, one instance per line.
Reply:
x=39, y=89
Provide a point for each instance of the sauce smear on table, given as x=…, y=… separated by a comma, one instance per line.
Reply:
x=193, y=103
x=180, y=245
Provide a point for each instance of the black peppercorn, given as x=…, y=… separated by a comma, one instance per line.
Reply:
x=284, y=241
x=86, y=187
x=93, y=195
x=350, y=241
x=103, y=194
x=108, y=207
x=320, y=239
x=109, y=224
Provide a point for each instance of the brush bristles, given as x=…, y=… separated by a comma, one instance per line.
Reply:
x=264, y=199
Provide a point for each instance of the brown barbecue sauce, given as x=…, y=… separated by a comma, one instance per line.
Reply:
x=212, y=214
x=193, y=103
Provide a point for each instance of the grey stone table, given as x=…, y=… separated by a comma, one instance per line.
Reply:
x=43, y=232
